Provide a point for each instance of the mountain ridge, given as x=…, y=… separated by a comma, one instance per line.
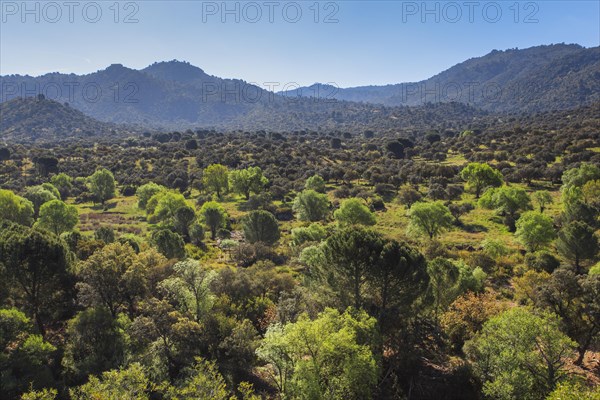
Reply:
x=175, y=94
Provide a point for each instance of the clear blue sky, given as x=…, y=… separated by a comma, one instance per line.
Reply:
x=372, y=42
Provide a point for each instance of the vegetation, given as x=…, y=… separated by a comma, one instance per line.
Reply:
x=325, y=264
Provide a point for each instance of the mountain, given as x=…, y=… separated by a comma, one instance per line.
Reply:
x=38, y=119
x=169, y=94
x=178, y=95
x=530, y=80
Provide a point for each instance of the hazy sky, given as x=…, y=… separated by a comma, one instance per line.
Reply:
x=349, y=43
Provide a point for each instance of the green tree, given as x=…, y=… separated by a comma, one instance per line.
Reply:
x=330, y=357
x=315, y=232
x=214, y=216
x=15, y=208
x=348, y=257
x=245, y=181
x=38, y=195
x=183, y=219
x=448, y=279
x=24, y=357
x=577, y=242
x=203, y=382
x=430, y=219
x=542, y=198
x=216, y=179
x=95, y=343
x=163, y=205
x=310, y=205
x=116, y=277
x=58, y=217
x=261, y=226
x=535, y=230
x=64, y=184
x=44, y=394
x=102, y=185
x=189, y=287
x=574, y=391
x=36, y=265
x=480, y=176
x=576, y=300
x=520, y=355
x=131, y=383
x=354, y=212
x=507, y=201
x=316, y=183
x=169, y=243
x=397, y=280
x=145, y=192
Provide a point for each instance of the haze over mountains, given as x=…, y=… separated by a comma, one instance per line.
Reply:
x=169, y=95
x=535, y=79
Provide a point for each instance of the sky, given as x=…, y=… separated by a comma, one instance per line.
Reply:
x=276, y=43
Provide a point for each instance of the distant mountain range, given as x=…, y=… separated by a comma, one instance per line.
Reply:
x=536, y=79
x=177, y=95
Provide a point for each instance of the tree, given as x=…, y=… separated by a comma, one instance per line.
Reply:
x=189, y=287
x=58, y=217
x=316, y=183
x=184, y=218
x=311, y=206
x=215, y=179
x=102, y=185
x=131, y=383
x=576, y=300
x=535, y=230
x=261, y=226
x=408, y=195
x=38, y=195
x=542, y=198
x=116, y=277
x=397, y=280
x=480, y=176
x=348, y=256
x=330, y=357
x=574, y=391
x=244, y=181
x=519, y=354
x=507, y=201
x=166, y=338
x=64, y=184
x=163, y=205
x=577, y=242
x=354, y=212
x=448, y=279
x=145, y=192
x=15, y=208
x=430, y=219
x=169, y=243
x=315, y=232
x=467, y=314
x=36, y=264
x=24, y=357
x=214, y=217
x=95, y=343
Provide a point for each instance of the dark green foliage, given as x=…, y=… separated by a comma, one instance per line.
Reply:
x=261, y=226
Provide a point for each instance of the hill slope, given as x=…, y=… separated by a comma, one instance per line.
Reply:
x=535, y=79
x=33, y=119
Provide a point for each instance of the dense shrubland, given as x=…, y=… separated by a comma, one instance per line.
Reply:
x=459, y=263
